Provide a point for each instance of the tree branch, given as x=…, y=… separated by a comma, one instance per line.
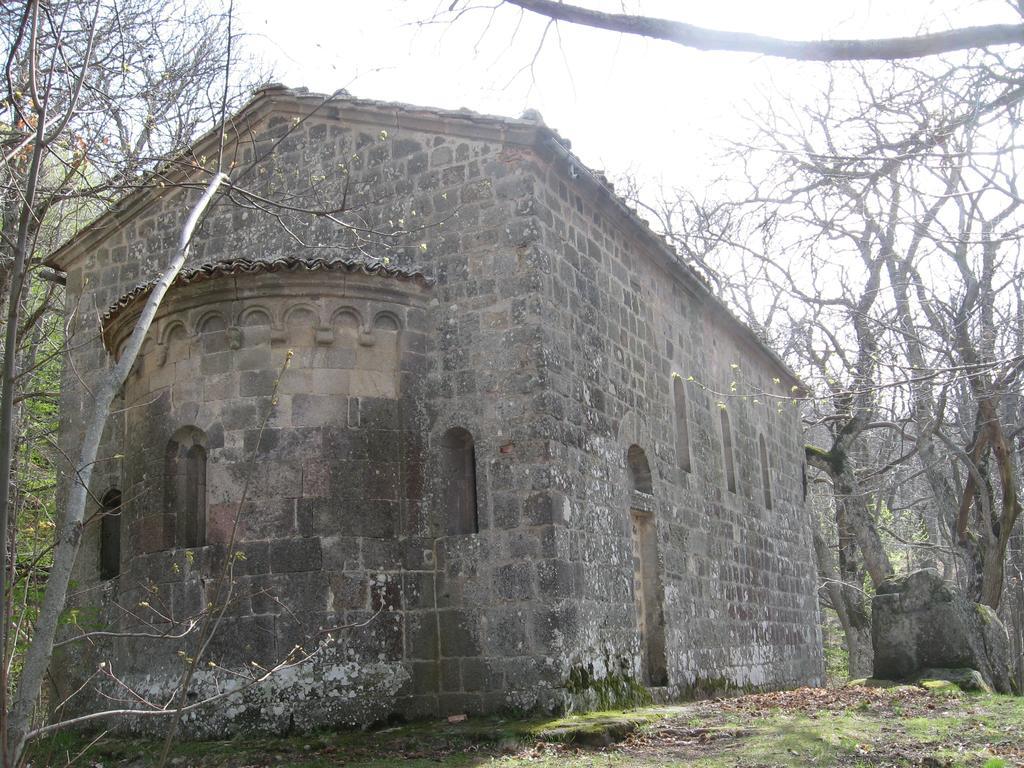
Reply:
x=702, y=38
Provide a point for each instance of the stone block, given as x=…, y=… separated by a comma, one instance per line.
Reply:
x=506, y=633
x=556, y=579
x=418, y=590
x=342, y=444
x=184, y=599
x=424, y=677
x=256, y=358
x=328, y=382
x=482, y=675
x=514, y=582
x=213, y=364
x=275, y=479
x=373, y=383
x=296, y=443
x=315, y=478
x=377, y=413
x=451, y=674
x=382, y=554
x=251, y=558
x=460, y=633
x=378, y=636
x=296, y=381
x=255, y=383
x=317, y=410
x=350, y=591
x=242, y=640
x=383, y=446
x=339, y=552
x=291, y=555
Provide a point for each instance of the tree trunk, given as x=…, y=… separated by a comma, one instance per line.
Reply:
x=37, y=657
x=853, y=503
x=1013, y=606
x=852, y=607
x=861, y=650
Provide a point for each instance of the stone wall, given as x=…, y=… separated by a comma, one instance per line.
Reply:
x=737, y=570
x=453, y=635
x=549, y=335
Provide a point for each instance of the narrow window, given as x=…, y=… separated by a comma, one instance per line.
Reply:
x=185, y=486
x=194, y=512
x=639, y=470
x=730, y=462
x=458, y=457
x=766, y=478
x=110, y=535
x=682, y=428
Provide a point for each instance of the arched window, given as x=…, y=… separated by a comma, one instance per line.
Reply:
x=766, y=478
x=730, y=461
x=639, y=470
x=185, y=486
x=458, y=467
x=110, y=535
x=682, y=427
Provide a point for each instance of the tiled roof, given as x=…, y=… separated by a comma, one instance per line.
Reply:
x=235, y=267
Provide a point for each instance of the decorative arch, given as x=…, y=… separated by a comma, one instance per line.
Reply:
x=110, y=534
x=727, y=450
x=172, y=331
x=185, y=486
x=458, y=477
x=175, y=343
x=302, y=314
x=253, y=316
x=387, y=321
x=211, y=321
x=347, y=317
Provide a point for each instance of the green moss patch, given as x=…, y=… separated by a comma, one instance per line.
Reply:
x=901, y=726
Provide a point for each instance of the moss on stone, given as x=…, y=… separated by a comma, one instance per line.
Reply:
x=711, y=687
x=615, y=690
x=941, y=687
x=965, y=679
x=985, y=613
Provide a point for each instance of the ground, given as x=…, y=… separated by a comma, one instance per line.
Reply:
x=858, y=726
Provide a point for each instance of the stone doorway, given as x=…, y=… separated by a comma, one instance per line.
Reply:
x=647, y=596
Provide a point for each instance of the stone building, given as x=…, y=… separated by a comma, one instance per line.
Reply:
x=519, y=457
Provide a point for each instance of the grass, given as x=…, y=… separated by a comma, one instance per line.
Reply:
x=822, y=727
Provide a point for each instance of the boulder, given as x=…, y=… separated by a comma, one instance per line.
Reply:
x=919, y=621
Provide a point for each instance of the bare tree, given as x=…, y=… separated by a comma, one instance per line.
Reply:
x=95, y=94
x=879, y=249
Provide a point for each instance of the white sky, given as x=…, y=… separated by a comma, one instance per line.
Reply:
x=651, y=108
